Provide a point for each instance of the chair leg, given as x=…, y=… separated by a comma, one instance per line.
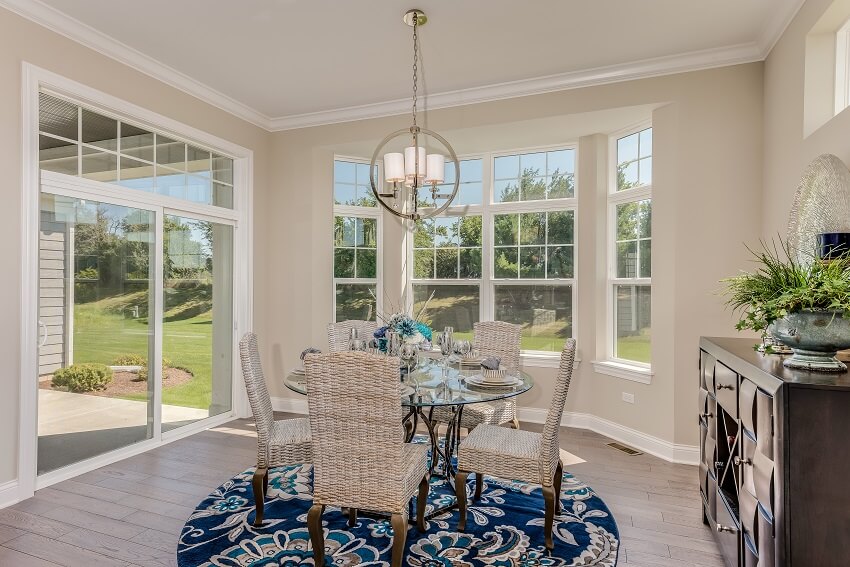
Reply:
x=479, y=486
x=549, y=498
x=515, y=422
x=317, y=536
x=257, y=484
x=266, y=483
x=556, y=482
x=399, y=523
x=460, y=493
x=421, y=501
x=352, y=517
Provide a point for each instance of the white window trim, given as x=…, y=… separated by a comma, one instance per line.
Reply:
x=611, y=365
x=34, y=80
x=375, y=212
x=488, y=209
x=842, y=67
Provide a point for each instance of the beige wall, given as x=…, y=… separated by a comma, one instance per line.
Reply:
x=21, y=40
x=707, y=202
x=786, y=150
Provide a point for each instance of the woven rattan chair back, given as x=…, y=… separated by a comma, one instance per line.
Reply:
x=497, y=338
x=550, y=447
x=340, y=333
x=258, y=393
x=355, y=411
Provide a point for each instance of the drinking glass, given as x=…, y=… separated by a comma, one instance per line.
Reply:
x=408, y=353
x=446, y=346
x=393, y=343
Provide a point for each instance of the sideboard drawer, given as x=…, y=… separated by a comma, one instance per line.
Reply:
x=706, y=366
x=728, y=531
x=726, y=389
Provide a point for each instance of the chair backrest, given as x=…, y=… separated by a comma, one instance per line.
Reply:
x=258, y=393
x=354, y=401
x=497, y=338
x=550, y=447
x=340, y=333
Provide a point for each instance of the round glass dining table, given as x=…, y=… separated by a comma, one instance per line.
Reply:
x=429, y=385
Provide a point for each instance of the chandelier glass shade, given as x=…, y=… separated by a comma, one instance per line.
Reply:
x=410, y=172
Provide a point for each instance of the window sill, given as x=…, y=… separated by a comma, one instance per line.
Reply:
x=640, y=374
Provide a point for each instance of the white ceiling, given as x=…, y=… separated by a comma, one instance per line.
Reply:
x=276, y=61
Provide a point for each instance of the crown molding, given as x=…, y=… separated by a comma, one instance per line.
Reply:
x=77, y=31
x=57, y=21
x=780, y=18
x=667, y=65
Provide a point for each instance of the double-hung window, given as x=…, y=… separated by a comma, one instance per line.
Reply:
x=357, y=236
x=532, y=268
x=630, y=252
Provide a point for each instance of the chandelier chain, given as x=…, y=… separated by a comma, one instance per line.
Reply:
x=415, y=63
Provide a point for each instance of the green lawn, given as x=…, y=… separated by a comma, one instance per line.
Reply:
x=102, y=332
x=635, y=348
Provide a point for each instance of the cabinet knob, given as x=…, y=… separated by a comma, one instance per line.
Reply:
x=706, y=415
x=739, y=461
x=721, y=528
x=725, y=387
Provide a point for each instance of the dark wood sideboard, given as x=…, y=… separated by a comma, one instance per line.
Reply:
x=774, y=458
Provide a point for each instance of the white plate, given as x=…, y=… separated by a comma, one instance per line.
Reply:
x=507, y=382
x=472, y=361
x=299, y=371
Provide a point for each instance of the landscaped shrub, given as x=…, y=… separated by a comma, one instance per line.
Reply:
x=83, y=377
x=141, y=362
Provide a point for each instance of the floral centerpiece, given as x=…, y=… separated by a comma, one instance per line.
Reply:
x=409, y=329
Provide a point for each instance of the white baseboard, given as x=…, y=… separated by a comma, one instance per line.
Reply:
x=675, y=453
x=9, y=493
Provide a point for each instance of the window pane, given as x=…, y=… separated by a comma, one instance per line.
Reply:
x=454, y=306
x=355, y=301
x=57, y=155
x=506, y=167
x=627, y=149
x=199, y=189
x=627, y=175
x=344, y=230
x=99, y=166
x=170, y=152
x=470, y=231
x=99, y=130
x=136, y=142
x=632, y=322
x=533, y=164
x=447, y=259
x=560, y=227
x=505, y=229
x=136, y=174
x=646, y=143
x=645, y=250
x=470, y=170
x=645, y=219
x=532, y=262
x=470, y=263
x=505, y=263
x=345, y=194
x=367, y=232
x=467, y=193
x=645, y=175
x=544, y=311
x=532, y=188
x=222, y=169
x=562, y=161
x=170, y=183
x=506, y=191
x=344, y=262
x=561, y=185
x=560, y=262
x=345, y=172
x=423, y=235
x=628, y=219
x=198, y=161
x=445, y=231
x=532, y=228
x=57, y=116
x=423, y=261
x=627, y=259
x=222, y=195
x=367, y=263
x=365, y=197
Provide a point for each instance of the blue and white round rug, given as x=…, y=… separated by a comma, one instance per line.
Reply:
x=504, y=528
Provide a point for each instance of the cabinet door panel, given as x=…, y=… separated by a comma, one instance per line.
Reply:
x=747, y=402
x=764, y=415
x=728, y=531
x=748, y=507
x=751, y=558
x=706, y=371
x=766, y=545
x=749, y=452
x=703, y=403
x=709, y=453
x=726, y=389
x=763, y=479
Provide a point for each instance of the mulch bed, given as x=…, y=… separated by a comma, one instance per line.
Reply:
x=124, y=383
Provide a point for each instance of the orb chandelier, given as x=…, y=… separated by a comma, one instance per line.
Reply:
x=414, y=169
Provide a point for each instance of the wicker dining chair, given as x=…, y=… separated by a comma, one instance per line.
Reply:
x=360, y=462
x=520, y=455
x=491, y=338
x=279, y=443
x=340, y=333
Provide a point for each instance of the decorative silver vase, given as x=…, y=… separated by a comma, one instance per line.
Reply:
x=815, y=336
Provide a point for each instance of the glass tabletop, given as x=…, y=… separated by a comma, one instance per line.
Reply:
x=425, y=386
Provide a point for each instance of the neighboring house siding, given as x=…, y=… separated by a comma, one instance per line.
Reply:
x=53, y=297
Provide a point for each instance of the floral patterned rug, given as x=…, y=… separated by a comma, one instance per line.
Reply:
x=504, y=528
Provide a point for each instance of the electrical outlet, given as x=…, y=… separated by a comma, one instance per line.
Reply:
x=628, y=398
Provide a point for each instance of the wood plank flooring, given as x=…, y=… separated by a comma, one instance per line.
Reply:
x=131, y=512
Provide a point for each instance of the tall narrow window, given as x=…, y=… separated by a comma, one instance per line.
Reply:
x=356, y=241
x=630, y=265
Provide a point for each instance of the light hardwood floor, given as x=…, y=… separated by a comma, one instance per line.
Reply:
x=131, y=512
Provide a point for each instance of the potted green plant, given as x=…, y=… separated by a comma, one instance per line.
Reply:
x=805, y=305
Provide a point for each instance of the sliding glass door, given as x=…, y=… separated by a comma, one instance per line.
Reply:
x=96, y=292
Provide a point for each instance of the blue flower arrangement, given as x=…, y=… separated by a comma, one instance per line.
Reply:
x=410, y=330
